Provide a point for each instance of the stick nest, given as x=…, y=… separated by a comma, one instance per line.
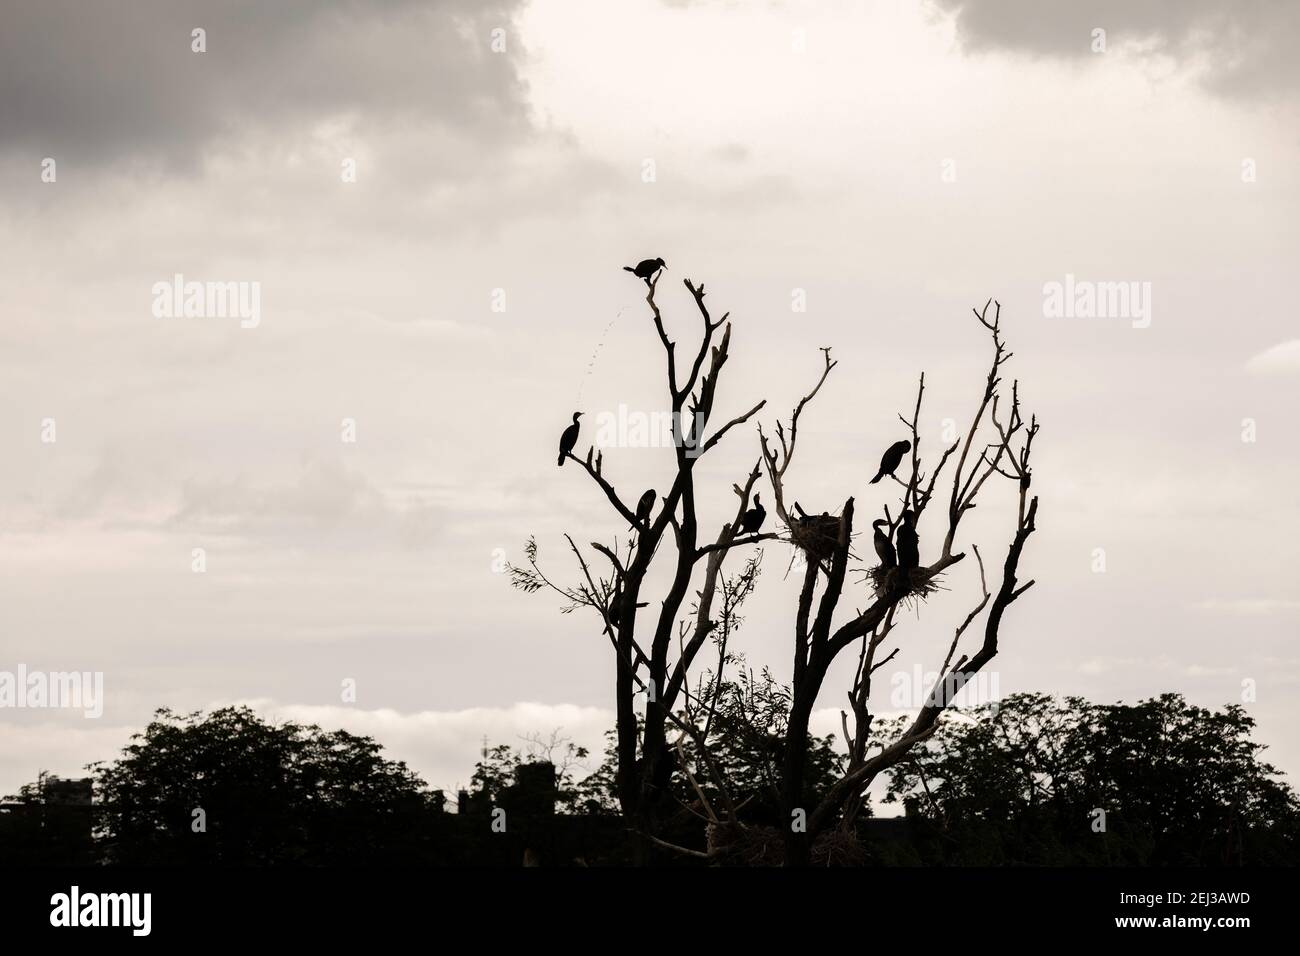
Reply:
x=915, y=583
x=757, y=845
x=817, y=535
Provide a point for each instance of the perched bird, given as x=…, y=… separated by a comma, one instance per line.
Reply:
x=569, y=438
x=753, y=518
x=616, y=605
x=645, y=269
x=892, y=458
x=643, y=508
x=909, y=544
x=884, y=547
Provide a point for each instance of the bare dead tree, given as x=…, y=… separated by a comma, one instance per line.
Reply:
x=818, y=641
x=644, y=649
x=644, y=656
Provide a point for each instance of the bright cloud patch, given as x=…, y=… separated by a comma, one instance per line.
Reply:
x=1280, y=359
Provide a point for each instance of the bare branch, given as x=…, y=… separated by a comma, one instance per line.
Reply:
x=605, y=486
x=738, y=420
x=778, y=462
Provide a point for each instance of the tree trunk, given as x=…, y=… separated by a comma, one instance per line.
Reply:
x=798, y=845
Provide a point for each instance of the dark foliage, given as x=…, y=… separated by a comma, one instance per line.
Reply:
x=270, y=793
x=1015, y=783
x=1020, y=782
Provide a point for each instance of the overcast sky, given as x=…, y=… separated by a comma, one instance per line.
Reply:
x=900, y=162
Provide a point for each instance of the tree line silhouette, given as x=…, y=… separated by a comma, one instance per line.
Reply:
x=1018, y=782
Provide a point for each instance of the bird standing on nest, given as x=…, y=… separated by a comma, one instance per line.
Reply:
x=909, y=544
x=892, y=458
x=645, y=269
x=643, y=509
x=753, y=518
x=569, y=439
x=884, y=547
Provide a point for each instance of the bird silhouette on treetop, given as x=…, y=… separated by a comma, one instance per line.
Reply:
x=569, y=439
x=643, y=509
x=645, y=269
x=892, y=458
x=753, y=518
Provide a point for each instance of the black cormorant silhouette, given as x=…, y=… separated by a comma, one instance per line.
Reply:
x=645, y=269
x=568, y=439
x=909, y=544
x=643, y=509
x=753, y=518
x=616, y=605
x=892, y=458
x=884, y=547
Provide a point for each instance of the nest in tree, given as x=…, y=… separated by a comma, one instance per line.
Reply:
x=732, y=845
x=817, y=535
x=838, y=848
x=915, y=583
x=755, y=845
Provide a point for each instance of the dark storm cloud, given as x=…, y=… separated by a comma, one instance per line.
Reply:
x=1244, y=48
x=117, y=78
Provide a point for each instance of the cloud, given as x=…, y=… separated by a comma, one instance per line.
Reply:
x=117, y=79
x=1138, y=665
x=64, y=748
x=1201, y=670
x=1280, y=359
x=443, y=745
x=732, y=152
x=1163, y=664
x=327, y=501
x=1240, y=49
x=1250, y=606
